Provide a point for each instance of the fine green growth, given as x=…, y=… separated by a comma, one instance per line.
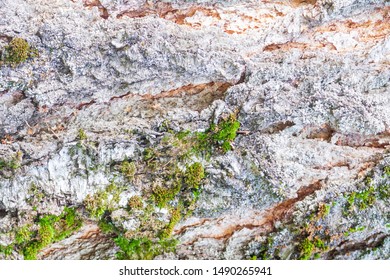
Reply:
x=35, y=195
x=384, y=192
x=6, y=250
x=361, y=200
x=264, y=251
x=194, y=175
x=320, y=244
x=81, y=135
x=23, y=235
x=106, y=226
x=128, y=169
x=51, y=229
x=135, y=203
x=220, y=136
x=364, y=198
x=102, y=200
x=149, y=154
x=306, y=249
x=143, y=248
x=386, y=171
x=226, y=132
x=309, y=246
x=175, y=218
x=353, y=230
x=323, y=210
x=96, y=204
x=162, y=195
x=11, y=164
x=17, y=52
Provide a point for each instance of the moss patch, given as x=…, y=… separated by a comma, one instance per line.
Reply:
x=30, y=239
x=102, y=201
x=17, y=52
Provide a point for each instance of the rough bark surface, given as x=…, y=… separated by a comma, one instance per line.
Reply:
x=307, y=175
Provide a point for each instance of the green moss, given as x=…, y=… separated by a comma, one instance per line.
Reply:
x=102, y=201
x=17, y=52
x=143, y=248
x=128, y=169
x=135, y=203
x=194, y=175
x=6, y=250
x=353, y=230
x=386, y=171
x=218, y=136
x=362, y=199
x=81, y=135
x=226, y=132
x=106, y=226
x=96, y=204
x=46, y=230
x=306, y=249
x=35, y=195
x=12, y=164
x=323, y=210
x=51, y=229
x=175, y=218
x=366, y=198
x=30, y=251
x=320, y=244
x=149, y=154
x=384, y=192
x=23, y=235
x=264, y=250
x=163, y=195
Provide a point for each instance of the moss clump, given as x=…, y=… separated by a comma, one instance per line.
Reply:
x=386, y=171
x=128, y=169
x=103, y=200
x=6, y=250
x=51, y=229
x=81, y=135
x=361, y=200
x=323, y=210
x=226, y=132
x=162, y=195
x=194, y=175
x=135, y=203
x=221, y=136
x=23, y=235
x=175, y=218
x=35, y=196
x=353, y=230
x=306, y=249
x=17, y=52
x=96, y=204
x=31, y=250
x=11, y=164
x=143, y=248
x=149, y=154
x=384, y=191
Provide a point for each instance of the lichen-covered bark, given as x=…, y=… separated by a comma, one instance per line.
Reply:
x=196, y=129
